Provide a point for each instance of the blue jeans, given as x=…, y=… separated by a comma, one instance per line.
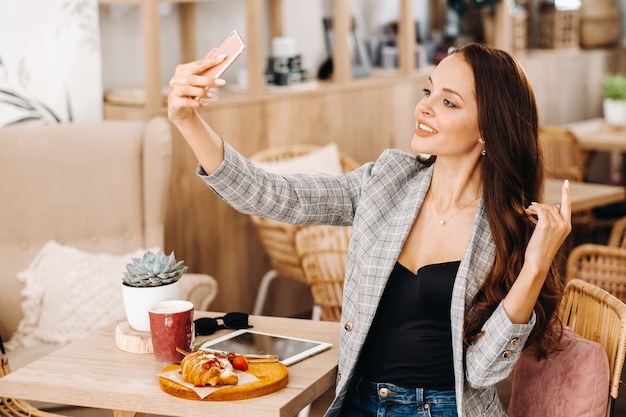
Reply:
x=377, y=399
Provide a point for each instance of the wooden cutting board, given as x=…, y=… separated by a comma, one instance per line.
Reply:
x=272, y=377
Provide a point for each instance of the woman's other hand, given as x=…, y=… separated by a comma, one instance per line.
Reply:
x=554, y=223
x=189, y=89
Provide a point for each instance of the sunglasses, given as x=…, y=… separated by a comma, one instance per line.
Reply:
x=206, y=326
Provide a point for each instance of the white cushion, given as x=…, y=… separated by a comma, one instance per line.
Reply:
x=325, y=160
x=69, y=293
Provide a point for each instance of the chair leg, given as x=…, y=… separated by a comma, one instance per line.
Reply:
x=305, y=411
x=262, y=293
x=317, y=313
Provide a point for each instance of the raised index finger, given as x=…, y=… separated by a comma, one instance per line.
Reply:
x=566, y=205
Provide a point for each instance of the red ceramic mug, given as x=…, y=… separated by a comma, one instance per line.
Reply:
x=171, y=327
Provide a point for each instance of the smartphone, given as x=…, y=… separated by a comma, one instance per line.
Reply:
x=232, y=47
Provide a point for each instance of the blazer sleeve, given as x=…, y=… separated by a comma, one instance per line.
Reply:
x=295, y=199
x=492, y=357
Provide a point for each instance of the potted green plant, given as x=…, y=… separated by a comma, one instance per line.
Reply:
x=147, y=280
x=614, y=104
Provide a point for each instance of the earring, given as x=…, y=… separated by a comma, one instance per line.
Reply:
x=483, y=152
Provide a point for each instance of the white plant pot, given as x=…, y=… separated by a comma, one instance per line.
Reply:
x=614, y=112
x=138, y=300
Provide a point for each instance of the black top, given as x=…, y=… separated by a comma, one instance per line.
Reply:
x=410, y=341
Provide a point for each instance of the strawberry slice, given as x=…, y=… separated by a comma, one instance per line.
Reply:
x=240, y=363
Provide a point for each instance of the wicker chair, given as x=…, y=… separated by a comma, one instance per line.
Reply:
x=563, y=157
x=601, y=265
x=11, y=407
x=278, y=238
x=596, y=315
x=322, y=251
x=617, y=237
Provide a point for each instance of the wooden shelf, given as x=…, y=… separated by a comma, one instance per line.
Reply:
x=150, y=22
x=151, y=27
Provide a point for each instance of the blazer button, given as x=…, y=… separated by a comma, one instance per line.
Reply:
x=348, y=325
x=515, y=341
x=506, y=353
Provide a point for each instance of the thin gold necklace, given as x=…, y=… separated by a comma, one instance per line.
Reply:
x=443, y=221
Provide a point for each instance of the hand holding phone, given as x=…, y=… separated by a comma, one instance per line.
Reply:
x=233, y=46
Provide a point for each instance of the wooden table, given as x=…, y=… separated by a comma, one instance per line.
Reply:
x=92, y=372
x=584, y=195
x=596, y=135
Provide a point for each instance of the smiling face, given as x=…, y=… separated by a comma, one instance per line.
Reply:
x=447, y=116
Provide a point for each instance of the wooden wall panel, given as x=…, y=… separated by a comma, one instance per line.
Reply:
x=404, y=99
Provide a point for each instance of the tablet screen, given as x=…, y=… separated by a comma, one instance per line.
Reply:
x=289, y=349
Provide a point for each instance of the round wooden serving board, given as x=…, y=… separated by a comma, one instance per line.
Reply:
x=272, y=377
x=130, y=340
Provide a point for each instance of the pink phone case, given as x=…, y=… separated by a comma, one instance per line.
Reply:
x=233, y=46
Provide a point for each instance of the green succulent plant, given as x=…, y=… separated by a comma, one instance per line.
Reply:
x=614, y=86
x=153, y=270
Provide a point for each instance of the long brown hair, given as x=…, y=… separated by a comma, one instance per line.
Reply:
x=513, y=175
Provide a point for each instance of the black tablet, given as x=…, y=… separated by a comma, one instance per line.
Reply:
x=247, y=342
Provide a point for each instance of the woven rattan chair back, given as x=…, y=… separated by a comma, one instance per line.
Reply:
x=561, y=153
x=277, y=238
x=617, y=237
x=599, y=316
x=601, y=265
x=12, y=407
x=323, y=251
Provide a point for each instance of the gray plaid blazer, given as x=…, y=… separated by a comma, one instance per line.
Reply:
x=381, y=200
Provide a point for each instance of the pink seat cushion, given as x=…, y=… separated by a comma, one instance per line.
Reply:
x=572, y=382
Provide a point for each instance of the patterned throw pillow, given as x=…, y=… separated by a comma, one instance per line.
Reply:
x=69, y=293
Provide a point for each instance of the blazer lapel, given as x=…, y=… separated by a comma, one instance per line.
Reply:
x=393, y=236
x=474, y=267
x=476, y=263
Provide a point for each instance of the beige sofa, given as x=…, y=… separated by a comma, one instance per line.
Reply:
x=87, y=195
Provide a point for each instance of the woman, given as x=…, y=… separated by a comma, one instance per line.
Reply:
x=450, y=269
